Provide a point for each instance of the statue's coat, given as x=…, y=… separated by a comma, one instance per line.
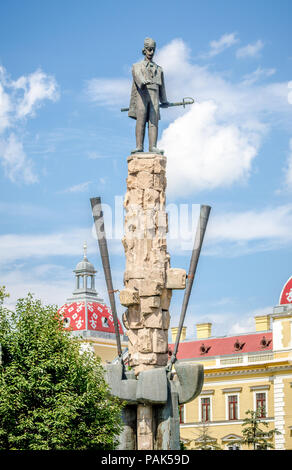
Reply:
x=139, y=72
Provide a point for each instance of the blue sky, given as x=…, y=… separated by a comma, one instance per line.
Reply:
x=65, y=72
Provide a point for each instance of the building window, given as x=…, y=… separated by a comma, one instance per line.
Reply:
x=205, y=409
x=233, y=447
x=261, y=404
x=66, y=322
x=232, y=407
x=181, y=414
x=104, y=321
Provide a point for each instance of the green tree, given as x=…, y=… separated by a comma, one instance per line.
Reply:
x=205, y=441
x=253, y=434
x=52, y=396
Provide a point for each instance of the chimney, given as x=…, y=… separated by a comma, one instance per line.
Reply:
x=203, y=330
x=262, y=322
x=174, y=331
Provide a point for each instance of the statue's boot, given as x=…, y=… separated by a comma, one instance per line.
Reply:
x=153, y=133
x=156, y=150
x=138, y=150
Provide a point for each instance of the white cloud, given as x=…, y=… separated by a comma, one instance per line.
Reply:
x=204, y=153
x=21, y=247
x=15, y=162
x=226, y=41
x=5, y=108
x=19, y=99
x=110, y=92
x=267, y=224
x=257, y=74
x=95, y=155
x=78, y=188
x=244, y=102
x=36, y=88
x=236, y=116
x=52, y=283
x=251, y=50
x=246, y=323
x=232, y=234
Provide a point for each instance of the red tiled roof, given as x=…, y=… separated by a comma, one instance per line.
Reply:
x=208, y=347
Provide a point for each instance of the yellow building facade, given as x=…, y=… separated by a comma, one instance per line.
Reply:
x=244, y=372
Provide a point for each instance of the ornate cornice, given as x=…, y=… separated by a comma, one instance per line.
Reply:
x=250, y=371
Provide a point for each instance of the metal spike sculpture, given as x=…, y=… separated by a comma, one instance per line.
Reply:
x=101, y=237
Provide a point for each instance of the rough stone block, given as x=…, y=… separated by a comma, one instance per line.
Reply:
x=137, y=273
x=134, y=284
x=159, y=243
x=155, y=275
x=159, y=181
x=125, y=321
x=129, y=297
x=150, y=288
x=159, y=165
x=175, y=278
x=151, y=198
x=154, y=319
x=148, y=303
x=162, y=219
x=166, y=319
x=144, y=180
x=151, y=359
x=132, y=317
x=145, y=340
x=138, y=165
x=166, y=298
x=133, y=198
x=131, y=182
x=133, y=339
x=159, y=340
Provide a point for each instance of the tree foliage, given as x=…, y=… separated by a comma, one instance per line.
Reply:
x=253, y=434
x=52, y=396
x=205, y=441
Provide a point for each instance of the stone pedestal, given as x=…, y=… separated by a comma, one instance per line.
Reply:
x=148, y=277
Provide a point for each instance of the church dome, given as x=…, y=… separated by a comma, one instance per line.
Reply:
x=85, y=312
x=84, y=265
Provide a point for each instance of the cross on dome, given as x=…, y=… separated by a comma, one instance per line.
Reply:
x=85, y=250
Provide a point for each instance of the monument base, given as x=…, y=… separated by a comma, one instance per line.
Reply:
x=151, y=416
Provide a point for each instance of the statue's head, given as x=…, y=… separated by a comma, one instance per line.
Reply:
x=149, y=48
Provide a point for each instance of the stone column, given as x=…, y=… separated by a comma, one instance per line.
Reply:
x=144, y=427
x=148, y=278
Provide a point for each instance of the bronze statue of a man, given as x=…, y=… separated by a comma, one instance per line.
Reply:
x=148, y=90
